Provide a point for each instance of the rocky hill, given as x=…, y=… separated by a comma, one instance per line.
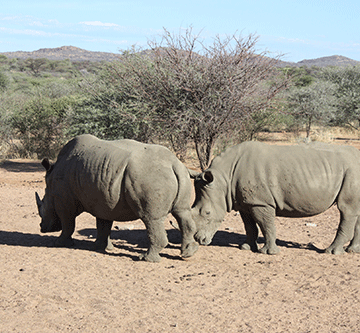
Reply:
x=76, y=54
x=64, y=52
x=334, y=60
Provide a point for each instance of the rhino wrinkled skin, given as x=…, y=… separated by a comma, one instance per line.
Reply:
x=117, y=181
x=263, y=181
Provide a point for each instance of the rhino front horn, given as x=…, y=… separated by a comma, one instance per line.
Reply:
x=38, y=201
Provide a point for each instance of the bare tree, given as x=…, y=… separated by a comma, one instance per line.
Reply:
x=199, y=92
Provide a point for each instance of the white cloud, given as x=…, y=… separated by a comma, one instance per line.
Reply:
x=99, y=24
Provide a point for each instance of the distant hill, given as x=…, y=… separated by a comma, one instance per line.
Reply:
x=334, y=60
x=76, y=54
x=64, y=52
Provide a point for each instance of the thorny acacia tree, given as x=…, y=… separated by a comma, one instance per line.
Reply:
x=199, y=92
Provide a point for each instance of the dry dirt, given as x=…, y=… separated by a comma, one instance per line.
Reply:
x=219, y=289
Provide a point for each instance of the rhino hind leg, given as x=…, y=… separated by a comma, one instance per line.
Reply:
x=344, y=233
x=354, y=246
x=265, y=218
x=188, y=229
x=252, y=233
x=103, y=241
x=158, y=239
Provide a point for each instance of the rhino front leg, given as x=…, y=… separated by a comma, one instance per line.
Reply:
x=344, y=233
x=158, y=239
x=188, y=229
x=103, y=241
x=67, y=229
x=354, y=246
x=265, y=217
x=252, y=233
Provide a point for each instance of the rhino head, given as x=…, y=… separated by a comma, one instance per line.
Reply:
x=50, y=221
x=209, y=208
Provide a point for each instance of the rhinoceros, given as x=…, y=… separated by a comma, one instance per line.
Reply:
x=119, y=180
x=262, y=181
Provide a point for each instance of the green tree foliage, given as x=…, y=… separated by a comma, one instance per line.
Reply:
x=35, y=65
x=4, y=81
x=39, y=126
x=109, y=111
x=313, y=104
x=347, y=81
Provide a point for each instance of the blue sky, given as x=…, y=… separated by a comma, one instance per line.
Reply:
x=299, y=29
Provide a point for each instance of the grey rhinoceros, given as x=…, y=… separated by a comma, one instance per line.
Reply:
x=263, y=181
x=117, y=181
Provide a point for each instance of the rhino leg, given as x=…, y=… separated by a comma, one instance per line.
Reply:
x=157, y=237
x=354, y=246
x=68, y=228
x=103, y=241
x=252, y=233
x=265, y=217
x=344, y=233
x=348, y=205
x=188, y=229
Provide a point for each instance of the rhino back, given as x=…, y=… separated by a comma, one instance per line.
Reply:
x=90, y=171
x=300, y=180
x=119, y=180
x=157, y=182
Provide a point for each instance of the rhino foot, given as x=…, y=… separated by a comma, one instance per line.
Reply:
x=248, y=247
x=64, y=242
x=189, y=250
x=269, y=249
x=353, y=249
x=150, y=257
x=103, y=245
x=335, y=250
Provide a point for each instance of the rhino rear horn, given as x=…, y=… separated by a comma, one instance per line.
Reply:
x=46, y=164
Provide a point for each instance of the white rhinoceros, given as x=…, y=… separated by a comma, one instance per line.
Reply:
x=263, y=181
x=117, y=181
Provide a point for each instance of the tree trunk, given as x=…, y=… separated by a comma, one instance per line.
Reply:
x=204, y=151
x=308, y=127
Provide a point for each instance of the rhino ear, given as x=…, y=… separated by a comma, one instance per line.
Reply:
x=208, y=176
x=46, y=164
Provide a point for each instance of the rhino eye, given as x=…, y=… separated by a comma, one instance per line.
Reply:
x=207, y=212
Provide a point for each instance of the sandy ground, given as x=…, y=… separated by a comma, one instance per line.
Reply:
x=219, y=289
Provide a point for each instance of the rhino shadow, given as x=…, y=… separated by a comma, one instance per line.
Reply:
x=233, y=239
x=13, y=166
x=15, y=238
x=136, y=241
x=133, y=237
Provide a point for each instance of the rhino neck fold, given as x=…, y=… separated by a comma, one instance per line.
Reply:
x=226, y=164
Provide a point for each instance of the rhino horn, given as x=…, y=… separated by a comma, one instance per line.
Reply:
x=38, y=201
x=46, y=164
x=174, y=225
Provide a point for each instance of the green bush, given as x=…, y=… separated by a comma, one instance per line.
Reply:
x=4, y=81
x=39, y=126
